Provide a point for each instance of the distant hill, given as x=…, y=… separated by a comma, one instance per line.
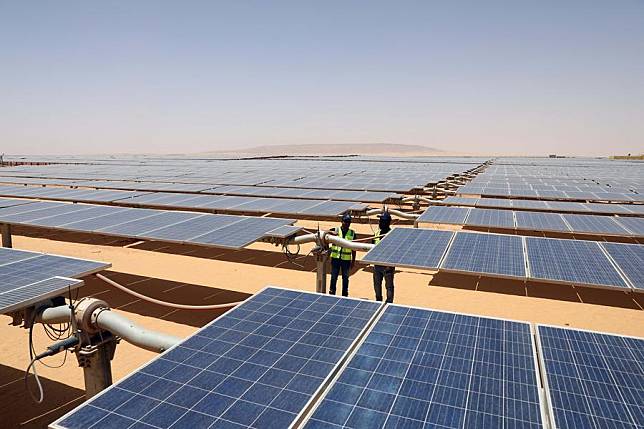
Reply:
x=335, y=149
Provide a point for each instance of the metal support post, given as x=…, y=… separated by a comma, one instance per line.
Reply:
x=96, y=361
x=320, y=262
x=6, y=235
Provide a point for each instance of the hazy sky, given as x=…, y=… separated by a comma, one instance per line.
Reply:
x=186, y=76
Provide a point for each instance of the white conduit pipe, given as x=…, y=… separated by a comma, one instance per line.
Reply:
x=165, y=303
x=116, y=324
x=330, y=238
x=133, y=333
x=410, y=216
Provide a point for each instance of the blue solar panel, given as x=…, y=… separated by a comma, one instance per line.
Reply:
x=592, y=380
x=630, y=259
x=419, y=368
x=411, y=247
x=494, y=254
x=491, y=218
x=594, y=224
x=444, y=214
x=258, y=366
x=571, y=261
x=14, y=298
x=540, y=221
x=635, y=225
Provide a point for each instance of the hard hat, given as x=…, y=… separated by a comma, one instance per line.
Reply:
x=346, y=217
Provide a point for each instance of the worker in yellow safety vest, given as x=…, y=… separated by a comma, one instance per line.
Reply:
x=381, y=272
x=342, y=259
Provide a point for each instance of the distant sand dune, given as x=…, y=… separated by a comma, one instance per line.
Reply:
x=336, y=149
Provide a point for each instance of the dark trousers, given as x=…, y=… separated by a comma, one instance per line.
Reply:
x=380, y=272
x=338, y=265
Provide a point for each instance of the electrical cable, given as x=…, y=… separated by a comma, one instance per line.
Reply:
x=165, y=303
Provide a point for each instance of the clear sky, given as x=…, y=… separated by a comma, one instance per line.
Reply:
x=186, y=76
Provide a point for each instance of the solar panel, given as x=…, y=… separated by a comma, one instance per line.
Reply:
x=495, y=254
x=594, y=224
x=444, y=214
x=410, y=247
x=634, y=224
x=284, y=231
x=530, y=204
x=242, y=233
x=592, y=379
x=149, y=223
x=118, y=216
x=39, y=213
x=571, y=261
x=630, y=259
x=29, y=277
x=184, y=231
x=494, y=202
x=490, y=218
x=258, y=365
x=460, y=201
x=607, y=208
x=540, y=221
x=566, y=206
x=14, y=298
x=65, y=218
x=420, y=368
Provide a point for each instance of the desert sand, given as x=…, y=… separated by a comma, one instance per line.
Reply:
x=193, y=275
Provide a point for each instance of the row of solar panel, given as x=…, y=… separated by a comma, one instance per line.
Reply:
x=558, y=206
x=535, y=221
x=190, y=201
x=292, y=359
x=551, y=195
x=584, y=263
x=260, y=191
x=30, y=277
x=184, y=227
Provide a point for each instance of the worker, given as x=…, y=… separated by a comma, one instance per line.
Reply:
x=342, y=259
x=380, y=271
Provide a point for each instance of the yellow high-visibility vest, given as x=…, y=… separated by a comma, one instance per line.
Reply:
x=343, y=253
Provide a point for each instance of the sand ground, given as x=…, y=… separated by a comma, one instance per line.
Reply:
x=193, y=275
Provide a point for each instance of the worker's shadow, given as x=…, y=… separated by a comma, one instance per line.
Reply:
x=19, y=410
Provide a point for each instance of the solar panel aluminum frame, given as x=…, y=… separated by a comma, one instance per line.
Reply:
x=379, y=315
x=315, y=397
x=70, y=284
x=542, y=364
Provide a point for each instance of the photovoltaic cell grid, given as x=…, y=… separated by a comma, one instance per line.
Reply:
x=421, y=368
x=594, y=224
x=15, y=298
x=411, y=247
x=256, y=366
x=540, y=221
x=571, y=261
x=592, y=380
x=29, y=277
x=494, y=254
x=442, y=214
x=490, y=217
x=630, y=259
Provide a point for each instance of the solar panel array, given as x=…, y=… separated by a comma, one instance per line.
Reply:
x=355, y=174
x=30, y=277
x=537, y=205
x=286, y=206
x=225, y=231
x=535, y=221
x=258, y=365
x=592, y=379
x=584, y=263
